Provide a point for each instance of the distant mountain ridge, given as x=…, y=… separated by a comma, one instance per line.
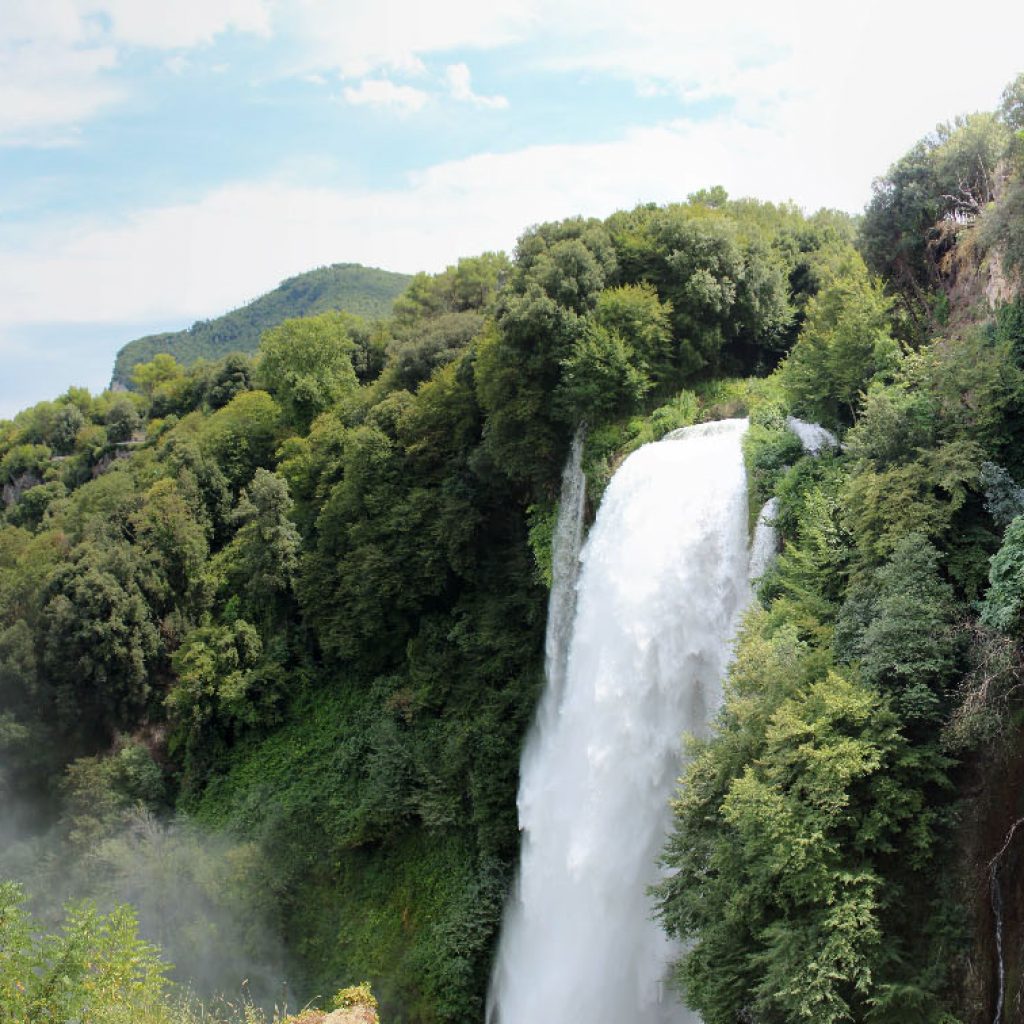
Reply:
x=364, y=291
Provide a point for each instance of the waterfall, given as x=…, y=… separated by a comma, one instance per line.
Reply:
x=765, y=545
x=813, y=436
x=996, y=897
x=663, y=579
x=565, y=561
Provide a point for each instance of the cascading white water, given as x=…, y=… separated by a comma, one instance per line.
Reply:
x=664, y=577
x=565, y=560
x=765, y=545
x=813, y=436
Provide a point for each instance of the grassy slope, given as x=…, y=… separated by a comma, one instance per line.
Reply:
x=364, y=291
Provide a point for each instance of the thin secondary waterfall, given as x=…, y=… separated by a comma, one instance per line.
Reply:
x=765, y=545
x=664, y=577
x=996, y=896
x=565, y=561
x=813, y=436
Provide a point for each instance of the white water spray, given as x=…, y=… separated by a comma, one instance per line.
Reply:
x=664, y=578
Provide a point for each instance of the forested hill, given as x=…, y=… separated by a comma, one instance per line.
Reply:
x=272, y=626
x=351, y=287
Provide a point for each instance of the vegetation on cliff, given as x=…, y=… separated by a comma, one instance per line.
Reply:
x=822, y=851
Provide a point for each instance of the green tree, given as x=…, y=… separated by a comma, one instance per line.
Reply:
x=173, y=544
x=95, y=969
x=260, y=563
x=230, y=377
x=98, y=639
x=1011, y=105
x=636, y=314
x=898, y=624
x=122, y=420
x=600, y=376
x=214, y=693
x=845, y=342
x=241, y=437
x=307, y=365
x=160, y=380
x=1004, y=601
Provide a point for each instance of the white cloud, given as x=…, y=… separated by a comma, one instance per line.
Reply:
x=178, y=64
x=358, y=39
x=381, y=92
x=459, y=84
x=164, y=25
x=202, y=258
x=868, y=78
x=47, y=88
x=57, y=57
x=819, y=109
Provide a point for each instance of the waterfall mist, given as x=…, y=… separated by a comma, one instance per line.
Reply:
x=664, y=577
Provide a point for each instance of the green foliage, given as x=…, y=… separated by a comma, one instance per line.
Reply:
x=782, y=832
x=1004, y=601
x=472, y=284
x=175, y=546
x=96, y=968
x=423, y=348
x=259, y=565
x=162, y=381
x=242, y=437
x=725, y=282
x=784, y=828
x=99, y=639
x=955, y=196
x=307, y=365
x=98, y=791
x=361, y=291
x=599, y=378
x=122, y=420
x=1011, y=106
x=898, y=624
x=844, y=343
x=1000, y=228
x=769, y=448
x=635, y=314
x=355, y=995
x=213, y=671
x=541, y=520
x=1010, y=328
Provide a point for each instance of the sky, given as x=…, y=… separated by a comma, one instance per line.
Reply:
x=162, y=162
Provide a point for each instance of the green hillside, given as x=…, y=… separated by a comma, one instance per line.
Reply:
x=365, y=291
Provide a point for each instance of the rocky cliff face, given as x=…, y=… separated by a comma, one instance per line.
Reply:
x=12, y=490
x=991, y=858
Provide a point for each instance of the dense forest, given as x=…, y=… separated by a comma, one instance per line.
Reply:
x=272, y=625
x=348, y=287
